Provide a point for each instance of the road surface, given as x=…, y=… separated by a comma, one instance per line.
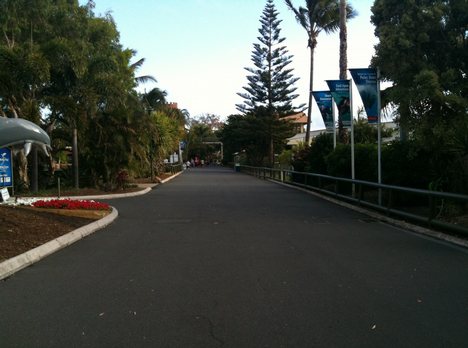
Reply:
x=221, y=259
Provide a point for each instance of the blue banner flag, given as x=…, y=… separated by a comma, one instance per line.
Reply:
x=6, y=168
x=366, y=83
x=324, y=103
x=340, y=91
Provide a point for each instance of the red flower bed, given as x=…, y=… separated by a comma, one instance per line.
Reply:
x=71, y=204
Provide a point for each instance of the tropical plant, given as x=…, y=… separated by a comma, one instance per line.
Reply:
x=65, y=69
x=24, y=70
x=142, y=78
x=165, y=134
x=154, y=99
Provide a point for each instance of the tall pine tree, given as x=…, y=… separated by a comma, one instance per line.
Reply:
x=271, y=82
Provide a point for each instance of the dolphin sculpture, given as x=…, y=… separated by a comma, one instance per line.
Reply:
x=17, y=131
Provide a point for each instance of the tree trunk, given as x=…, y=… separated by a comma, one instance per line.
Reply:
x=312, y=45
x=343, y=41
x=272, y=152
x=343, y=63
x=22, y=162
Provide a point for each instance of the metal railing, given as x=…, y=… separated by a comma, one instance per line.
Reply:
x=447, y=211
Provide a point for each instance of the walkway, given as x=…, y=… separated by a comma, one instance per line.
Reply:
x=220, y=259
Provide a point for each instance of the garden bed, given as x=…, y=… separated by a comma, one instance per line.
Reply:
x=24, y=228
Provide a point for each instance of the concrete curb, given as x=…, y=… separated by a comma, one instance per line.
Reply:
x=171, y=177
x=398, y=223
x=111, y=196
x=17, y=263
x=122, y=195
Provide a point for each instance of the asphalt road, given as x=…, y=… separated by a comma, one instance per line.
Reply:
x=220, y=259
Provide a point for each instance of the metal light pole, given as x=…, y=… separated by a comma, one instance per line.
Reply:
x=75, y=158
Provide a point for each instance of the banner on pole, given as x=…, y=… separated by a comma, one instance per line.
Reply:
x=6, y=170
x=324, y=103
x=340, y=91
x=366, y=83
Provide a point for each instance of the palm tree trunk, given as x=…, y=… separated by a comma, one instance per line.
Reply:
x=343, y=63
x=343, y=41
x=311, y=88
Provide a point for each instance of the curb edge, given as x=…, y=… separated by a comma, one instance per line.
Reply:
x=17, y=263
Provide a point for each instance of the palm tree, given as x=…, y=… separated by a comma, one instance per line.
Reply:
x=154, y=99
x=141, y=79
x=315, y=17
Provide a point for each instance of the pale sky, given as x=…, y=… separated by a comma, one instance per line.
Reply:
x=197, y=49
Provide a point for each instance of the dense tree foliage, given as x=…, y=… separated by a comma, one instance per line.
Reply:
x=65, y=69
x=257, y=134
x=202, y=131
x=423, y=50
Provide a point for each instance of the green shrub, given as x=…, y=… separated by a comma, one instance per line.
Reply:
x=320, y=148
x=406, y=164
x=339, y=161
x=365, y=162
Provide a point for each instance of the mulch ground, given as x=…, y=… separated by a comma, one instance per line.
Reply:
x=23, y=229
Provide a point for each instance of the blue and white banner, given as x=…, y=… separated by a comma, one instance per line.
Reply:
x=366, y=83
x=6, y=168
x=341, y=95
x=324, y=103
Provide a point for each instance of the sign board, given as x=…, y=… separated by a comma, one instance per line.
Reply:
x=6, y=168
x=324, y=103
x=341, y=95
x=5, y=195
x=367, y=85
x=174, y=158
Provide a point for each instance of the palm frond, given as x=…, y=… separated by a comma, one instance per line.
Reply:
x=300, y=14
x=138, y=64
x=145, y=79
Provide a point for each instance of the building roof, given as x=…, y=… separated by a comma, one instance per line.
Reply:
x=300, y=118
